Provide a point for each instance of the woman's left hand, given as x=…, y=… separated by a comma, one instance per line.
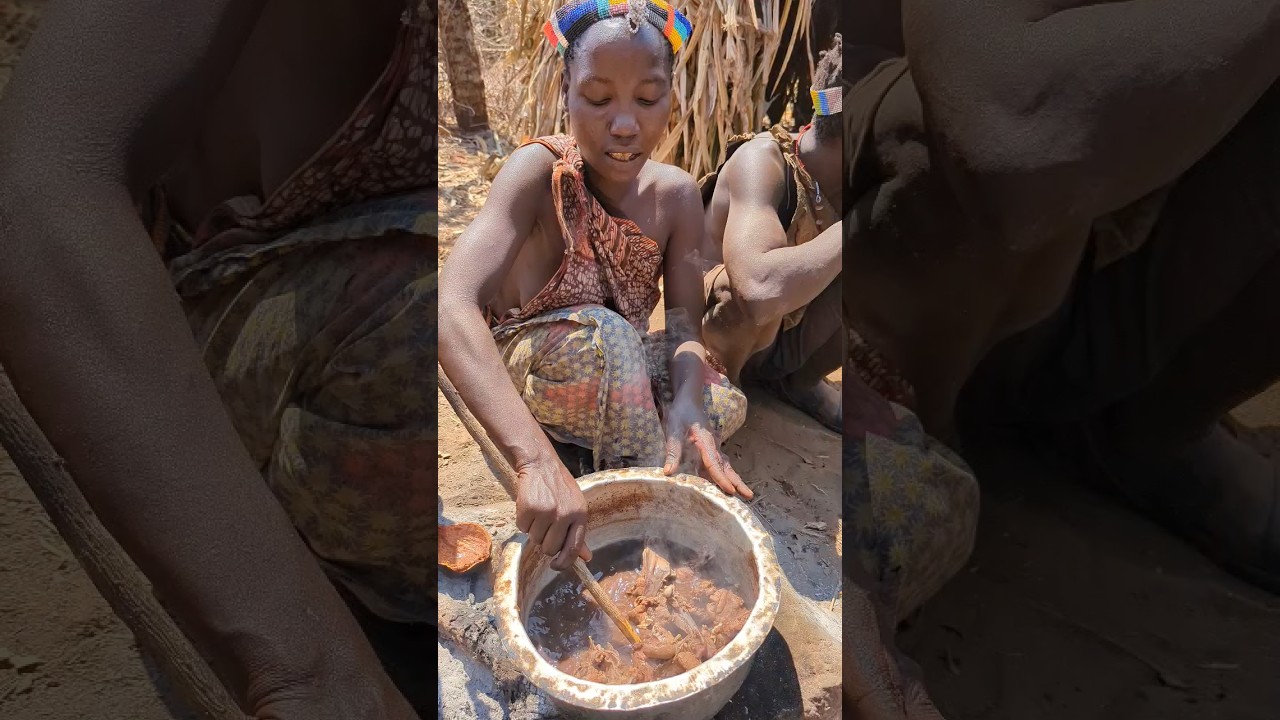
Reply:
x=689, y=439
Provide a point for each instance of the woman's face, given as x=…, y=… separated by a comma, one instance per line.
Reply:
x=618, y=94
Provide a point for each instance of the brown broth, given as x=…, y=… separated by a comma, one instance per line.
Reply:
x=682, y=606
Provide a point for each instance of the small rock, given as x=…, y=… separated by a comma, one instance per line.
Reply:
x=26, y=663
x=22, y=687
x=6, y=658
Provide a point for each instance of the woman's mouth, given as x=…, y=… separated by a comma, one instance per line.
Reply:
x=623, y=156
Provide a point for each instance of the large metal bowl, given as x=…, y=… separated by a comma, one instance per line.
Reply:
x=630, y=505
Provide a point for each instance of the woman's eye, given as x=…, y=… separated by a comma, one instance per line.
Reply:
x=650, y=103
x=598, y=103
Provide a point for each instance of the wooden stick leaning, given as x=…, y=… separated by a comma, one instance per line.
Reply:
x=507, y=478
x=597, y=592
x=108, y=566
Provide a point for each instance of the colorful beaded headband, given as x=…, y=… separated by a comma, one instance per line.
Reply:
x=827, y=102
x=570, y=21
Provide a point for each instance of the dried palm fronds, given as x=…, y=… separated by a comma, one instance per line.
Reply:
x=721, y=83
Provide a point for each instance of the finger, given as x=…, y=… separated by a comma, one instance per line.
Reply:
x=573, y=548
x=578, y=533
x=674, y=448
x=524, y=517
x=554, y=539
x=730, y=475
x=738, y=483
x=711, y=459
x=539, y=530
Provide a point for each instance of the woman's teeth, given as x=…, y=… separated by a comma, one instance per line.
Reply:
x=623, y=157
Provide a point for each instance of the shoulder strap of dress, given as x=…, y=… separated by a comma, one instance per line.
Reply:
x=791, y=190
x=562, y=146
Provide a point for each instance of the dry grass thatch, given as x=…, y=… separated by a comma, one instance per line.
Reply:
x=721, y=81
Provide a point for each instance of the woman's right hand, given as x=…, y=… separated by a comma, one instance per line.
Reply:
x=551, y=509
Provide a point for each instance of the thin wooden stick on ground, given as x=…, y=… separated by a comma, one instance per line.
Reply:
x=113, y=573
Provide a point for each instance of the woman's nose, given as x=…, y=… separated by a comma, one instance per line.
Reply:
x=624, y=125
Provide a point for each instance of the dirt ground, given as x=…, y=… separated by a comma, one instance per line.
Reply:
x=1072, y=608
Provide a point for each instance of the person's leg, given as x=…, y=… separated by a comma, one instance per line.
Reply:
x=910, y=502
x=724, y=404
x=1214, y=287
x=726, y=329
x=326, y=360
x=1168, y=451
x=1155, y=348
x=800, y=358
x=583, y=374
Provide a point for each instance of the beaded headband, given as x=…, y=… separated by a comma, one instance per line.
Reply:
x=827, y=102
x=570, y=21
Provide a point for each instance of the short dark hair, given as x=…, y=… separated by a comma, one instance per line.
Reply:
x=827, y=75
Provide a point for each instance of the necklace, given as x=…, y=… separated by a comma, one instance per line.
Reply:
x=817, y=187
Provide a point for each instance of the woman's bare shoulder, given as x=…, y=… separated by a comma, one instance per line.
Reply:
x=523, y=183
x=672, y=183
x=527, y=161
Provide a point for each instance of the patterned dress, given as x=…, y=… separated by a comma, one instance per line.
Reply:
x=315, y=309
x=579, y=352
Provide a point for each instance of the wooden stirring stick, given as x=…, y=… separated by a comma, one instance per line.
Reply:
x=605, y=602
x=507, y=478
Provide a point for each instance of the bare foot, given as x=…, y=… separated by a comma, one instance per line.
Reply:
x=1219, y=492
x=880, y=682
x=821, y=400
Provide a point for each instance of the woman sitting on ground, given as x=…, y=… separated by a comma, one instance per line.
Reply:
x=554, y=283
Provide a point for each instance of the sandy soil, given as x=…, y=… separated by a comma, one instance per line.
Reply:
x=1074, y=607
x=88, y=664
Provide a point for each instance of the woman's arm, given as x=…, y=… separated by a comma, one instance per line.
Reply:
x=1058, y=111
x=549, y=505
x=685, y=305
x=95, y=342
x=683, y=296
x=771, y=277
